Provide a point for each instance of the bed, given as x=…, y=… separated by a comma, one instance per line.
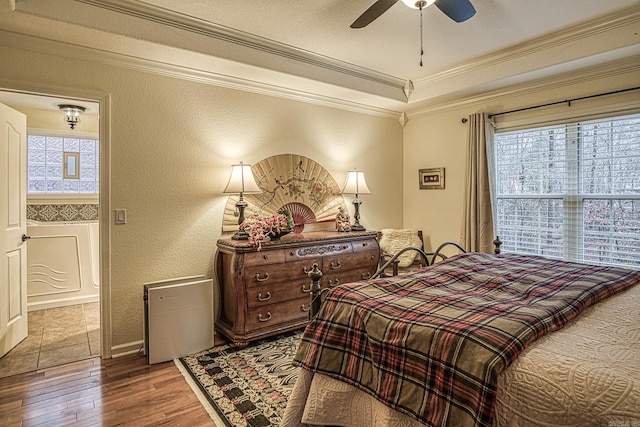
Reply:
x=475, y=340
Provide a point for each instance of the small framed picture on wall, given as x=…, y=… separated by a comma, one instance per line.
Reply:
x=431, y=179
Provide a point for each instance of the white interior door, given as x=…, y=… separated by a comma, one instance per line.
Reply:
x=13, y=226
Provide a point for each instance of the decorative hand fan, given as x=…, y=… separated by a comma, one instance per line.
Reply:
x=292, y=182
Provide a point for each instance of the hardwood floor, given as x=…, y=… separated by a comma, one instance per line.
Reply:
x=125, y=391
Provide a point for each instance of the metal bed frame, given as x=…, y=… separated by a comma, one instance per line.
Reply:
x=316, y=275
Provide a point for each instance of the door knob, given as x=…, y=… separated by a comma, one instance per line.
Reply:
x=25, y=237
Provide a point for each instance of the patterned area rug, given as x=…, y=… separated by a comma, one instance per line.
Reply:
x=245, y=386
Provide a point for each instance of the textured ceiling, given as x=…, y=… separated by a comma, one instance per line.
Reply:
x=391, y=44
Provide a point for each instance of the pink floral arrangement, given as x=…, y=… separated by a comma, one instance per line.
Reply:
x=260, y=227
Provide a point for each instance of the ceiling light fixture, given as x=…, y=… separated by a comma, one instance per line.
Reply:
x=418, y=4
x=72, y=114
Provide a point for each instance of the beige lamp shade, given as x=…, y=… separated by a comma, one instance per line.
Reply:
x=242, y=181
x=356, y=184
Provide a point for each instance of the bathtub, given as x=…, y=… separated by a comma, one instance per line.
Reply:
x=62, y=264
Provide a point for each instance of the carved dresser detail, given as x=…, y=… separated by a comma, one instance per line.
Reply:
x=264, y=293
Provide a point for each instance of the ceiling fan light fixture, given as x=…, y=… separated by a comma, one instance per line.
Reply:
x=420, y=4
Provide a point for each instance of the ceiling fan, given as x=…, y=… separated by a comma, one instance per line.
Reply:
x=458, y=10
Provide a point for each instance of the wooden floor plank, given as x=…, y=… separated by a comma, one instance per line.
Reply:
x=122, y=391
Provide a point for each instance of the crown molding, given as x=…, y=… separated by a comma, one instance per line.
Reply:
x=341, y=100
x=613, y=69
x=558, y=39
x=154, y=24
x=190, y=48
x=581, y=46
x=195, y=25
x=192, y=24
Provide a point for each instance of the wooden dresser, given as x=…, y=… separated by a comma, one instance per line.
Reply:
x=266, y=292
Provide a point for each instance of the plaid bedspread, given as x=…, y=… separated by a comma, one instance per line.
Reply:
x=431, y=343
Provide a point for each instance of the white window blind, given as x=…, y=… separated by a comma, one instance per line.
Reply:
x=571, y=191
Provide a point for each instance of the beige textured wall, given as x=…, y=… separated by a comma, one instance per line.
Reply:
x=172, y=144
x=438, y=139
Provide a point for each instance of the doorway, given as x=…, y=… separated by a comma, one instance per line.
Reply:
x=68, y=331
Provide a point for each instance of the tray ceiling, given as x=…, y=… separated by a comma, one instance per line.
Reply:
x=306, y=48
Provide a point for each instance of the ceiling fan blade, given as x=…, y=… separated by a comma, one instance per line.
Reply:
x=458, y=10
x=371, y=14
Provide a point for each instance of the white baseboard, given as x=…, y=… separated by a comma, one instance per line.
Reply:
x=63, y=302
x=133, y=347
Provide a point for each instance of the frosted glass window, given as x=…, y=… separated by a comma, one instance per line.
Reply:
x=62, y=165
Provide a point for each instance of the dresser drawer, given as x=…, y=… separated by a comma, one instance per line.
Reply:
x=263, y=257
x=344, y=269
x=366, y=245
x=349, y=261
x=278, y=273
x=273, y=315
x=335, y=279
x=260, y=296
x=317, y=251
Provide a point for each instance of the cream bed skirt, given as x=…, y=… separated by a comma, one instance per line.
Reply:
x=586, y=374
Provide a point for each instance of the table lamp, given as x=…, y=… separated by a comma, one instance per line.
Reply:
x=356, y=184
x=241, y=182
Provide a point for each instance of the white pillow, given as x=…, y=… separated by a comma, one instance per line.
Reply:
x=394, y=240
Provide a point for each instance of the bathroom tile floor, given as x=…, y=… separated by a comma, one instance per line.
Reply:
x=56, y=336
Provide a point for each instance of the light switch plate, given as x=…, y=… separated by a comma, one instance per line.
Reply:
x=121, y=216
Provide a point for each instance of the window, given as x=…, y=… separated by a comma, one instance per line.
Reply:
x=571, y=191
x=62, y=165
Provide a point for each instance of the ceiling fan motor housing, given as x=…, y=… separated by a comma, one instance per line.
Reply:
x=420, y=4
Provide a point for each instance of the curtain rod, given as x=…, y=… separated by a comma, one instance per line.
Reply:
x=566, y=101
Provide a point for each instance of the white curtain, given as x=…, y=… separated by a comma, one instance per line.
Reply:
x=477, y=233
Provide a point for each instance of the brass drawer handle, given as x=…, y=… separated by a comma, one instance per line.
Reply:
x=305, y=271
x=305, y=289
x=336, y=265
x=334, y=283
x=365, y=276
x=267, y=297
x=260, y=318
x=260, y=279
x=305, y=309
